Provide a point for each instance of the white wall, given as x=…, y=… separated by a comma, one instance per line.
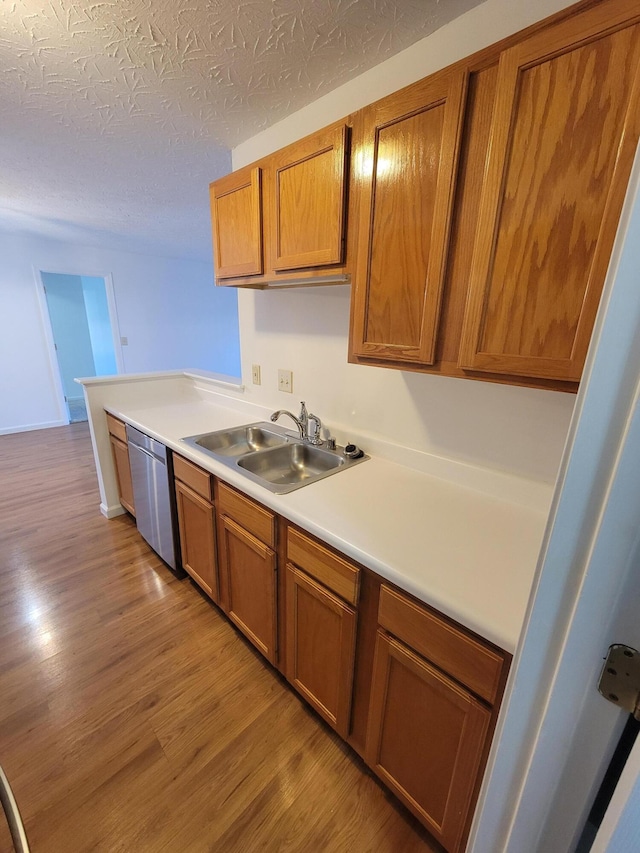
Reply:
x=514, y=429
x=168, y=308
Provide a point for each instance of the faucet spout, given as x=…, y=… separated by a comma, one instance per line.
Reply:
x=280, y=412
x=301, y=422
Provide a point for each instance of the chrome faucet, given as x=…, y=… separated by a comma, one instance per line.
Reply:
x=302, y=421
x=314, y=437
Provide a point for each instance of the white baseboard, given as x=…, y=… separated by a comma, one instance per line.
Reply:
x=29, y=427
x=111, y=511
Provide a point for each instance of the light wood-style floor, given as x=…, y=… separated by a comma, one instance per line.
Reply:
x=133, y=717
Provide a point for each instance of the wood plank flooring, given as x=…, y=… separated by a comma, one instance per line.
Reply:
x=133, y=717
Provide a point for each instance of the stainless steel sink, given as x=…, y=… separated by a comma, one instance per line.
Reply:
x=293, y=464
x=240, y=440
x=272, y=456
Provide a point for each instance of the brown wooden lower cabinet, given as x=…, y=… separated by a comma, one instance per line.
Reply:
x=120, y=451
x=415, y=694
x=425, y=738
x=123, y=474
x=196, y=523
x=321, y=636
x=250, y=573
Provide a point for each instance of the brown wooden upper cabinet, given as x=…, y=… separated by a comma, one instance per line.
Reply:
x=308, y=201
x=285, y=217
x=405, y=162
x=236, y=216
x=483, y=202
x=564, y=132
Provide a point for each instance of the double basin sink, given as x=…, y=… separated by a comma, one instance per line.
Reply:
x=272, y=456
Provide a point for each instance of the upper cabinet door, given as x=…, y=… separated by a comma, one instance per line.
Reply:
x=565, y=129
x=405, y=167
x=309, y=196
x=236, y=214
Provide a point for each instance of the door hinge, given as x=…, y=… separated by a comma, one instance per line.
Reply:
x=620, y=678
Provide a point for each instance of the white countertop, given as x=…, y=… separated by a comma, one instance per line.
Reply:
x=469, y=554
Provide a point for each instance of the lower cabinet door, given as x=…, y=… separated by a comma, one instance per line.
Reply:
x=123, y=473
x=425, y=739
x=196, y=522
x=250, y=568
x=321, y=637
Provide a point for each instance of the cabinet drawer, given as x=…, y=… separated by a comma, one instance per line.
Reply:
x=200, y=481
x=323, y=565
x=465, y=659
x=248, y=514
x=117, y=427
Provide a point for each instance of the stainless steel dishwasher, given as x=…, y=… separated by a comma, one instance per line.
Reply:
x=151, y=473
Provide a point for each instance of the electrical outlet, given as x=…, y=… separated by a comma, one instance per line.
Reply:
x=124, y=342
x=285, y=381
x=255, y=374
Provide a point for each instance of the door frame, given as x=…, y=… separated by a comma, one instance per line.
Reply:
x=540, y=780
x=620, y=824
x=54, y=367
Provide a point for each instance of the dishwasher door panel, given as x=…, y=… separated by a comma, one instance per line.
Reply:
x=151, y=492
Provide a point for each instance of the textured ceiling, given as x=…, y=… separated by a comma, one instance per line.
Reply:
x=115, y=115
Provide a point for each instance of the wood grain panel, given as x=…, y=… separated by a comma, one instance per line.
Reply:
x=321, y=635
x=324, y=565
x=251, y=587
x=475, y=142
x=248, y=514
x=196, y=524
x=236, y=216
x=365, y=650
x=565, y=128
x=196, y=478
x=473, y=155
x=407, y=166
x=475, y=665
x=425, y=739
x=309, y=201
x=120, y=452
x=117, y=427
x=408, y=153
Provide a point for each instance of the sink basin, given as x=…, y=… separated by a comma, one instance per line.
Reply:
x=240, y=440
x=292, y=464
x=271, y=455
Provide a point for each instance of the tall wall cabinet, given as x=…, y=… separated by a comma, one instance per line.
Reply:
x=474, y=211
x=408, y=162
x=564, y=131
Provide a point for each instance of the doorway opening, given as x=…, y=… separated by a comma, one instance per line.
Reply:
x=82, y=332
